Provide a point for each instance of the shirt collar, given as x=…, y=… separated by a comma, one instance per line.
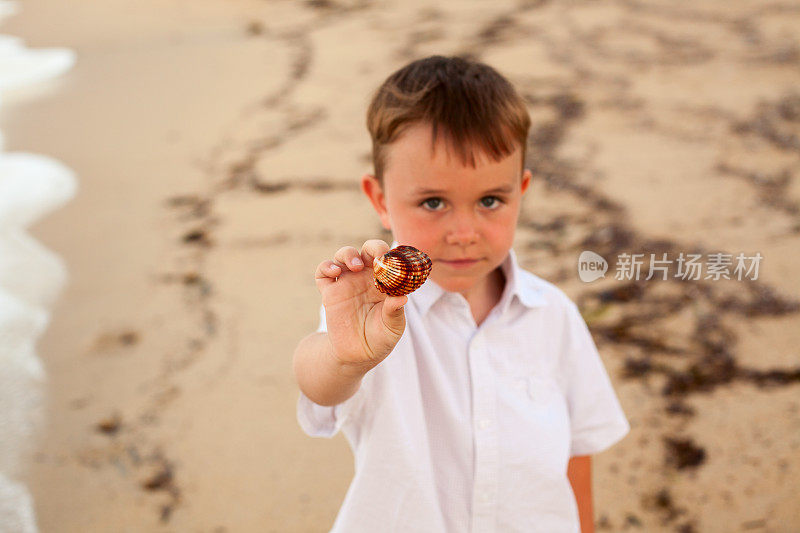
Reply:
x=528, y=295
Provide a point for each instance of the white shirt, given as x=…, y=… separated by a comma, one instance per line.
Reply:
x=469, y=429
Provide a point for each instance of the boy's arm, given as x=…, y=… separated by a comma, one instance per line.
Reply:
x=320, y=375
x=579, y=472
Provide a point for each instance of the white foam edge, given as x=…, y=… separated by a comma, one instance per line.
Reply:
x=20, y=325
x=29, y=270
x=21, y=66
x=32, y=185
x=17, y=513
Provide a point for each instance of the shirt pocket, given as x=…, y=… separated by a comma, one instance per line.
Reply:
x=535, y=426
x=542, y=390
x=536, y=395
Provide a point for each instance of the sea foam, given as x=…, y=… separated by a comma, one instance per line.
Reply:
x=31, y=276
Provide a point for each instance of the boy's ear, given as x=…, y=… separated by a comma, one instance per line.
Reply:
x=373, y=190
x=526, y=181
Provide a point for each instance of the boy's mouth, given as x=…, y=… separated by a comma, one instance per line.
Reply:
x=460, y=263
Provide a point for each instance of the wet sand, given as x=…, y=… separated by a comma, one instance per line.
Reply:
x=218, y=148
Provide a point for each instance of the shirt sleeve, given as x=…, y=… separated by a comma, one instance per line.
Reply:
x=323, y=420
x=597, y=420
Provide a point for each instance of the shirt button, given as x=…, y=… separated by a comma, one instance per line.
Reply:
x=484, y=424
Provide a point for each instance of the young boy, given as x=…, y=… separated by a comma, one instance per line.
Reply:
x=474, y=403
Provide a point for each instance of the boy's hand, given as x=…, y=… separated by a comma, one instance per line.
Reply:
x=364, y=325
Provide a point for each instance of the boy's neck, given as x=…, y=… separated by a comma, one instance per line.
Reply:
x=483, y=300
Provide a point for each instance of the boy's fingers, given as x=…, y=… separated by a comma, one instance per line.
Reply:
x=373, y=248
x=328, y=270
x=393, y=316
x=393, y=303
x=345, y=256
x=326, y=273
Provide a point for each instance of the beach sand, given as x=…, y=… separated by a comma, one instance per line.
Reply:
x=218, y=147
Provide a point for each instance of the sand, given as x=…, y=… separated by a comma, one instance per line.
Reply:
x=218, y=147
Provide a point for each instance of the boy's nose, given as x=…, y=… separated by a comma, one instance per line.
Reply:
x=464, y=233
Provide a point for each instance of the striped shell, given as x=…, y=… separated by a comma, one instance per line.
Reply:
x=401, y=270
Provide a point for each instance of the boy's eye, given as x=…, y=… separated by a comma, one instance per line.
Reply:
x=495, y=201
x=433, y=203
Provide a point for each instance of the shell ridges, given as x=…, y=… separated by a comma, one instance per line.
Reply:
x=401, y=270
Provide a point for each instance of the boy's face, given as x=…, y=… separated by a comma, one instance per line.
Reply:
x=470, y=214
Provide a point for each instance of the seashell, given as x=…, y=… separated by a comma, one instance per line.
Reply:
x=401, y=270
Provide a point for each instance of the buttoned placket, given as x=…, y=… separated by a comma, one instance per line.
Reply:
x=484, y=424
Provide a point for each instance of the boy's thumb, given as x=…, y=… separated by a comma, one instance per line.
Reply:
x=393, y=315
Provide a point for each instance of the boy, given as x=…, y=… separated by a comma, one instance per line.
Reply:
x=475, y=407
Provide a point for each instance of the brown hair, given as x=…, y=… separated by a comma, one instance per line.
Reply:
x=472, y=104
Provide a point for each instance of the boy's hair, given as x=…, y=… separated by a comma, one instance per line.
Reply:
x=472, y=105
